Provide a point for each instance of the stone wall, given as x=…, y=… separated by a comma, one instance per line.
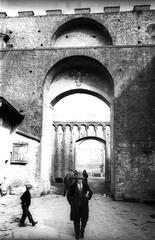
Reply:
x=125, y=28
x=23, y=72
x=20, y=173
x=27, y=69
x=134, y=136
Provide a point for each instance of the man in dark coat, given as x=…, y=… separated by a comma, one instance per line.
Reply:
x=85, y=176
x=80, y=194
x=26, y=202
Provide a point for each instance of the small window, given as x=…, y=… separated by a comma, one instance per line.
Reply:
x=20, y=153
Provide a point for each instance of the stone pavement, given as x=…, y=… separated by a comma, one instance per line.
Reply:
x=109, y=220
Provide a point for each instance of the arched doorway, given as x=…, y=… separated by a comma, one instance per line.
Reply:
x=90, y=154
x=72, y=75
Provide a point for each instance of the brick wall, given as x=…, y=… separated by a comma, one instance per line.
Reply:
x=134, y=134
x=125, y=28
x=132, y=70
x=27, y=69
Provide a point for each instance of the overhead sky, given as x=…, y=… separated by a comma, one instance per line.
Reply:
x=11, y=7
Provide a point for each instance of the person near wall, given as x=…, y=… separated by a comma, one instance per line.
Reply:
x=26, y=202
x=85, y=176
x=67, y=183
x=69, y=179
x=80, y=194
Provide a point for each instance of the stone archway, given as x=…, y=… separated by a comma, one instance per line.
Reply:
x=76, y=74
x=91, y=154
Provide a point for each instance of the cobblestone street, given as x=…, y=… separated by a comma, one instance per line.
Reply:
x=108, y=220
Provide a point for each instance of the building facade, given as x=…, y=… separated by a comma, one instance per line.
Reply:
x=109, y=55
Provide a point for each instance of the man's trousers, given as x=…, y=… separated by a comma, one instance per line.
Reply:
x=26, y=213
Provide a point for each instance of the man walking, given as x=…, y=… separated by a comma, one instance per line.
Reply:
x=26, y=202
x=80, y=194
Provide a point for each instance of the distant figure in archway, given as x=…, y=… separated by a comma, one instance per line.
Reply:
x=85, y=176
x=69, y=179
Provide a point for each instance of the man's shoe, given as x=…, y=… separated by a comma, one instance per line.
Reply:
x=81, y=235
x=34, y=223
x=77, y=237
x=21, y=225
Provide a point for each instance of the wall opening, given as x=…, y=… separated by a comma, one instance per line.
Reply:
x=86, y=80
x=90, y=154
x=81, y=32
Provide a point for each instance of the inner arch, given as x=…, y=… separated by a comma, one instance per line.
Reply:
x=78, y=91
x=81, y=107
x=90, y=155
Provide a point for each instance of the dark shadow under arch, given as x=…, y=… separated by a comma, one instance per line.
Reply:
x=78, y=62
x=84, y=22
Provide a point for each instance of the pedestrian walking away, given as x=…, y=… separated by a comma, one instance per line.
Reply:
x=80, y=194
x=85, y=176
x=26, y=202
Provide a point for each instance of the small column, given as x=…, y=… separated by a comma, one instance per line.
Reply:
x=59, y=151
x=54, y=130
x=67, y=154
x=99, y=131
x=75, y=137
x=82, y=131
x=91, y=130
x=108, y=164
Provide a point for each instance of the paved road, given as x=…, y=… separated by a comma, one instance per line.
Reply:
x=109, y=220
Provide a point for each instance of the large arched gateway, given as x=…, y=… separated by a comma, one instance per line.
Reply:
x=75, y=74
x=58, y=56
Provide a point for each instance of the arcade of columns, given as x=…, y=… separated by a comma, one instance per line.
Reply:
x=66, y=134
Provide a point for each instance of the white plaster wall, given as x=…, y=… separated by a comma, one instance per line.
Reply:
x=24, y=173
x=5, y=144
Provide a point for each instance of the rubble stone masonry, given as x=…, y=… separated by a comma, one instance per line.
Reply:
x=130, y=60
